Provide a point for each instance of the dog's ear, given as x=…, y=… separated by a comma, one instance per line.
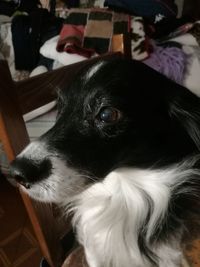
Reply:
x=185, y=107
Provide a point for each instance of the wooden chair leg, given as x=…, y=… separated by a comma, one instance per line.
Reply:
x=16, y=99
x=14, y=137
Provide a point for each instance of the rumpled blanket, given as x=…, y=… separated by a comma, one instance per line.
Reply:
x=89, y=31
x=177, y=56
x=170, y=61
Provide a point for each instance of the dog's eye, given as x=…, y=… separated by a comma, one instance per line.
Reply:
x=109, y=115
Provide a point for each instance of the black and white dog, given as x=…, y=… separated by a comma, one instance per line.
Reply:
x=124, y=157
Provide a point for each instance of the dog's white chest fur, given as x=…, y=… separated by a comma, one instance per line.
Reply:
x=110, y=214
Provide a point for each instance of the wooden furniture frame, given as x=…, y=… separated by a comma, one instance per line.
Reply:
x=17, y=99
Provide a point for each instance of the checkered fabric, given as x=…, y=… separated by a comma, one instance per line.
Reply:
x=90, y=31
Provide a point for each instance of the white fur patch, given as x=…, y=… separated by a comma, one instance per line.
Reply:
x=108, y=216
x=63, y=182
x=94, y=69
x=35, y=151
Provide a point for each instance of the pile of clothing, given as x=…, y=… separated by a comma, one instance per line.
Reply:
x=24, y=28
x=35, y=39
x=177, y=56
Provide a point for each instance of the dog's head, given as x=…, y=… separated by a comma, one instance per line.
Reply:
x=116, y=113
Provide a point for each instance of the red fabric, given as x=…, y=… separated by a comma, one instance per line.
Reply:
x=71, y=40
x=73, y=33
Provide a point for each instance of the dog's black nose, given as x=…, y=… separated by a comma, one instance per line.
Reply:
x=27, y=171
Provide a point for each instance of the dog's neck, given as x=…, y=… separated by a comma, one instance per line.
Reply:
x=117, y=219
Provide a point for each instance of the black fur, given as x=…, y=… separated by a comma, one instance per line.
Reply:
x=152, y=130
x=156, y=123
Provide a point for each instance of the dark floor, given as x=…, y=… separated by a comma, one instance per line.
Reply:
x=18, y=246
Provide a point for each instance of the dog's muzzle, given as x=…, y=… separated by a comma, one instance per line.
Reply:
x=27, y=171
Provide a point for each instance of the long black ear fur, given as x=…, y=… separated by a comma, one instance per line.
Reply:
x=185, y=107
